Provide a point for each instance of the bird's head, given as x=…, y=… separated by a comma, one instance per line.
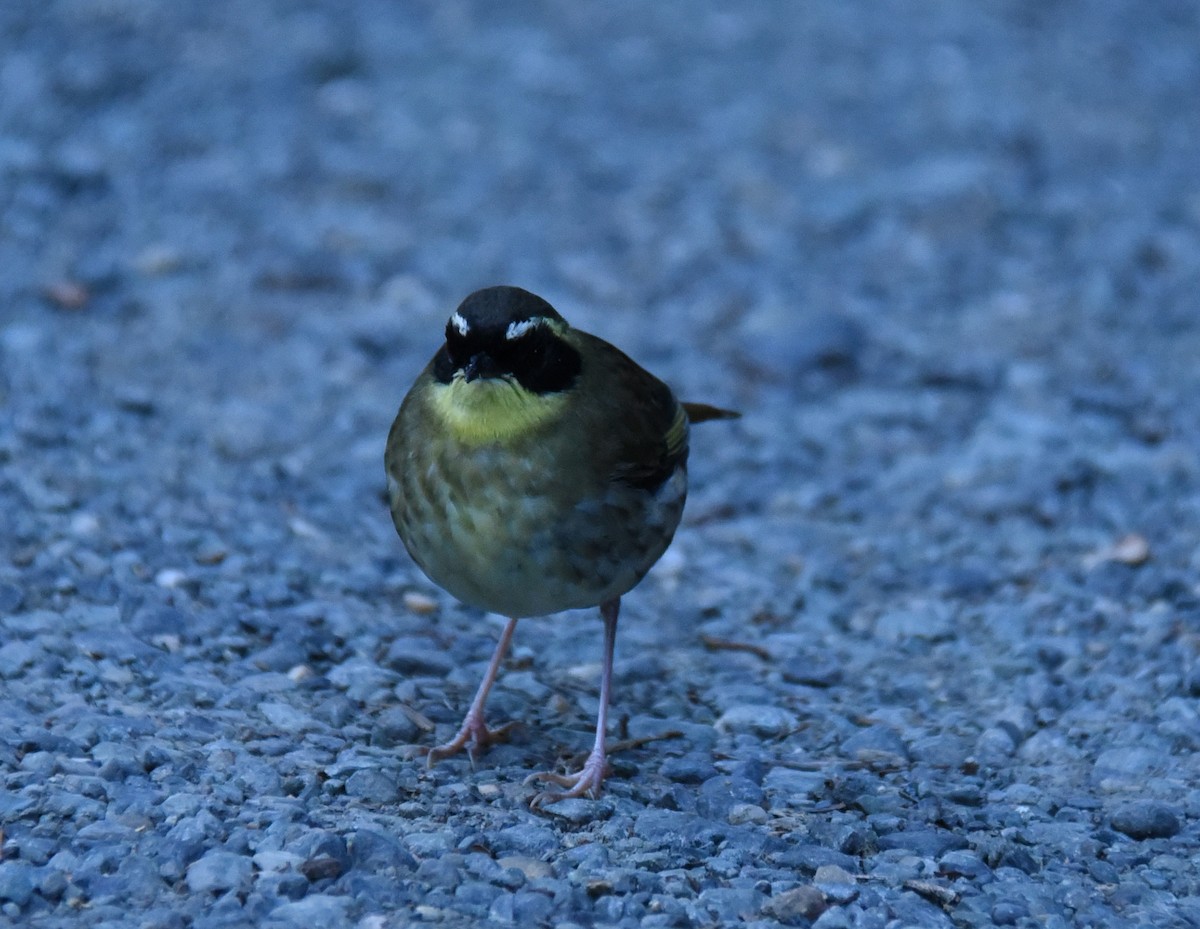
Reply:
x=507, y=362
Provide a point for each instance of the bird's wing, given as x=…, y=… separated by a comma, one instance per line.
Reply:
x=644, y=428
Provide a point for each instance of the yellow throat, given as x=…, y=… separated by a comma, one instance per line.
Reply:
x=492, y=409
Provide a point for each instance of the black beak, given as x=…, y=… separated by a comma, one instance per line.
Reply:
x=481, y=365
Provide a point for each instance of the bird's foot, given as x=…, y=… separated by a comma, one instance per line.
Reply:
x=583, y=783
x=473, y=735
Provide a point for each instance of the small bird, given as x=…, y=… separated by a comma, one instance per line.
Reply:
x=535, y=468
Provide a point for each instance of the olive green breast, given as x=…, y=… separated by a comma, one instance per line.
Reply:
x=554, y=502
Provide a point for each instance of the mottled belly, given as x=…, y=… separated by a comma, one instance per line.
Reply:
x=490, y=529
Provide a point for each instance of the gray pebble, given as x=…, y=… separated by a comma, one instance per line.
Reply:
x=927, y=843
x=373, y=850
x=285, y=885
x=440, y=872
x=876, y=744
x=692, y=768
x=787, y=786
x=1147, y=819
x=766, y=721
x=804, y=902
x=1009, y=912
x=394, y=727
x=525, y=839
x=835, y=918
x=579, y=811
x=318, y=844
x=995, y=744
x=1127, y=766
x=414, y=657
x=730, y=904
x=530, y=908
x=477, y=894
x=313, y=910
x=963, y=863
x=16, y=882
x=373, y=786
x=16, y=656
x=217, y=872
x=810, y=857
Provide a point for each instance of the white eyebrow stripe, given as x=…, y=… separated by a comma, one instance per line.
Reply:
x=459, y=323
x=517, y=329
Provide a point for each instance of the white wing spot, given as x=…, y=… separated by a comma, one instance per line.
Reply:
x=459, y=323
x=517, y=329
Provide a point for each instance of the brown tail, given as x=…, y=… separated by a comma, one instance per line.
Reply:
x=702, y=412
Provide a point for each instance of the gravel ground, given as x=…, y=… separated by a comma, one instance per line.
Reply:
x=924, y=653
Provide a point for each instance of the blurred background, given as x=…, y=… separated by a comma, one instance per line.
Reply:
x=231, y=231
x=944, y=256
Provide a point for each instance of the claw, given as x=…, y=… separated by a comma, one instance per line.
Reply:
x=583, y=783
x=474, y=736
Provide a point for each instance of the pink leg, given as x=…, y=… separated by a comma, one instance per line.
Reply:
x=587, y=781
x=474, y=735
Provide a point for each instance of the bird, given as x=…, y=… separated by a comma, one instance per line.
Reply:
x=534, y=468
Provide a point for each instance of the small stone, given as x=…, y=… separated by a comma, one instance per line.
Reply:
x=1147, y=819
x=1007, y=913
x=532, y=868
x=995, y=744
x=217, y=872
x=578, y=811
x=68, y=295
x=962, y=863
x=832, y=874
x=418, y=603
x=276, y=861
x=15, y=657
x=807, y=857
x=746, y=813
x=377, y=851
x=804, y=902
x=925, y=843
x=287, y=718
x=526, y=839
x=321, y=844
x=476, y=893
x=394, y=727
x=876, y=745
x=321, y=869
x=530, y=908
x=16, y=882
x=373, y=786
x=766, y=721
x=313, y=910
x=1126, y=766
x=731, y=905
x=170, y=578
x=692, y=768
x=836, y=884
x=414, y=657
x=1131, y=549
